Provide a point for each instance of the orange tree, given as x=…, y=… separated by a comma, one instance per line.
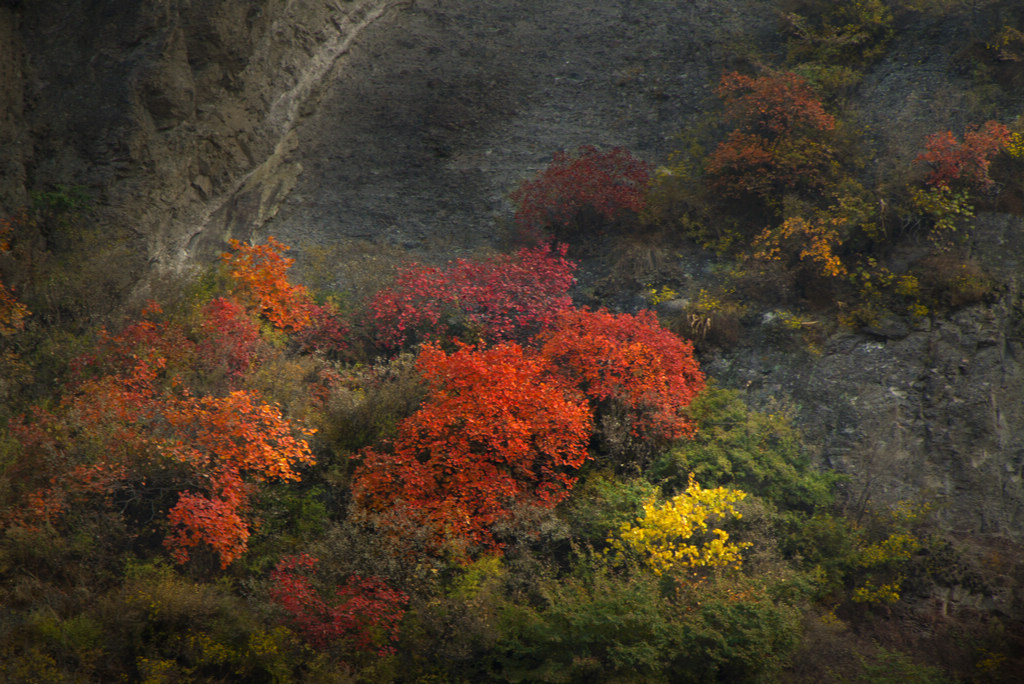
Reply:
x=260, y=277
x=779, y=140
x=627, y=364
x=498, y=429
x=963, y=164
x=505, y=426
x=129, y=431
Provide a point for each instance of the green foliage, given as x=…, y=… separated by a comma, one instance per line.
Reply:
x=757, y=452
x=600, y=626
x=605, y=501
x=842, y=33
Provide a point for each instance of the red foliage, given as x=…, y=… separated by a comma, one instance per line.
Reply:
x=497, y=429
x=501, y=298
x=778, y=140
x=629, y=360
x=220, y=439
x=963, y=163
x=608, y=182
x=326, y=333
x=230, y=340
x=129, y=423
x=366, y=617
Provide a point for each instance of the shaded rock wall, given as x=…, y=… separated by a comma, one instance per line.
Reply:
x=163, y=110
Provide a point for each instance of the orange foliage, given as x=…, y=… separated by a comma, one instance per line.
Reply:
x=262, y=274
x=497, y=429
x=964, y=163
x=129, y=427
x=630, y=361
x=816, y=241
x=778, y=141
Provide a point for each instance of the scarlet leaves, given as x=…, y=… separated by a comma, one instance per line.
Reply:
x=498, y=429
x=608, y=183
x=365, y=617
x=502, y=298
x=955, y=164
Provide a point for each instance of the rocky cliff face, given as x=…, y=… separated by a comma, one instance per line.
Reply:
x=169, y=113
x=340, y=124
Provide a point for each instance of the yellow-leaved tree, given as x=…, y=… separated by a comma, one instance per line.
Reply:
x=675, y=534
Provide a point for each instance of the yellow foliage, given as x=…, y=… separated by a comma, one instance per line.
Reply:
x=899, y=546
x=869, y=593
x=665, y=294
x=673, y=534
x=818, y=240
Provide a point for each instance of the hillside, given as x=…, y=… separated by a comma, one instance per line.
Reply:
x=849, y=275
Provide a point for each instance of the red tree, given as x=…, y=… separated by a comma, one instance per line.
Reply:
x=366, y=616
x=608, y=183
x=955, y=163
x=497, y=429
x=631, y=362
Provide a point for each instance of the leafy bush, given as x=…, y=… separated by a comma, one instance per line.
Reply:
x=497, y=428
x=576, y=188
x=779, y=141
x=502, y=298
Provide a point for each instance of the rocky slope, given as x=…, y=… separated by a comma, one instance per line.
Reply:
x=369, y=131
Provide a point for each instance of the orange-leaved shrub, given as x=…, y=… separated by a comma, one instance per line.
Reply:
x=497, y=429
x=130, y=431
x=963, y=164
x=779, y=141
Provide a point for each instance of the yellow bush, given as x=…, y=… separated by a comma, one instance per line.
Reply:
x=674, y=534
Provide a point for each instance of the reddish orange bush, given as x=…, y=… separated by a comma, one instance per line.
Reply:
x=629, y=361
x=607, y=182
x=778, y=141
x=497, y=429
x=366, y=616
x=509, y=297
x=261, y=272
x=129, y=429
x=954, y=163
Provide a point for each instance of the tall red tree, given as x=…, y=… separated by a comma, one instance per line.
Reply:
x=497, y=429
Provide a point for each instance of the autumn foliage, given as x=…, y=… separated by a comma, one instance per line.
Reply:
x=498, y=429
x=12, y=312
x=261, y=272
x=507, y=297
x=365, y=617
x=608, y=183
x=779, y=137
x=508, y=425
x=959, y=164
x=627, y=361
x=129, y=429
